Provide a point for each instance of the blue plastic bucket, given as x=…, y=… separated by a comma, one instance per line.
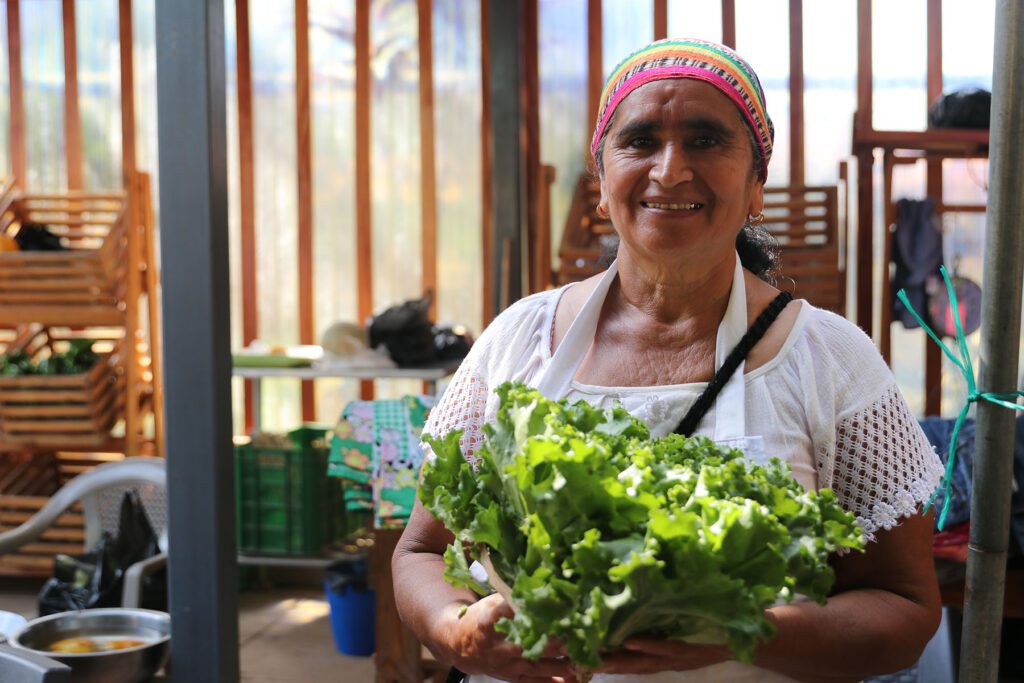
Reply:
x=353, y=620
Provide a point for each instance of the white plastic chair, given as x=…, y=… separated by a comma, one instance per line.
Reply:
x=100, y=491
x=25, y=666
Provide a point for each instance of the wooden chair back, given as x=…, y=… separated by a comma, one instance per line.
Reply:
x=805, y=222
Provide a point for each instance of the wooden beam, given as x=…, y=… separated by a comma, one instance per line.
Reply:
x=72, y=118
x=364, y=218
x=428, y=168
x=729, y=22
x=796, y=92
x=865, y=180
x=530, y=107
x=934, y=50
x=660, y=19
x=864, y=76
x=932, y=353
x=595, y=70
x=126, y=43
x=304, y=166
x=486, y=165
x=19, y=151
x=247, y=194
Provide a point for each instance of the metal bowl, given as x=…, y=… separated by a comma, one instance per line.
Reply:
x=129, y=665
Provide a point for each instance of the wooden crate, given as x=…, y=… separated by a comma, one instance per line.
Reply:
x=83, y=285
x=66, y=535
x=60, y=411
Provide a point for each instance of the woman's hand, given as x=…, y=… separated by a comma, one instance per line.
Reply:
x=473, y=646
x=651, y=655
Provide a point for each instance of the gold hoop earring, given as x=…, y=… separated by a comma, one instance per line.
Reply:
x=755, y=219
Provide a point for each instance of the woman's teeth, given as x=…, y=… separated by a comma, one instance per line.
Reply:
x=672, y=207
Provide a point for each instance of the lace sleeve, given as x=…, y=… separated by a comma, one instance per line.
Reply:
x=882, y=467
x=462, y=406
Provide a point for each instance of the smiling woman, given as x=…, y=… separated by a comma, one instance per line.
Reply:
x=685, y=331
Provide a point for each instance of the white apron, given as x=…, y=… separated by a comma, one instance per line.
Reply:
x=729, y=430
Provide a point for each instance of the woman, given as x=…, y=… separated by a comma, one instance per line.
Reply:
x=682, y=147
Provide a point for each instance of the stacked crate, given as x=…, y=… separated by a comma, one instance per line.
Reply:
x=100, y=287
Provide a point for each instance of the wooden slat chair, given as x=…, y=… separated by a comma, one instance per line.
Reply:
x=805, y=221
x=585, y=234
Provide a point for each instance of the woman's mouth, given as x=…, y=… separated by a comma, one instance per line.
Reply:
x=670, y=206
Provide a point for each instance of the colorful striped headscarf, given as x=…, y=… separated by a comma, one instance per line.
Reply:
x=690, y=58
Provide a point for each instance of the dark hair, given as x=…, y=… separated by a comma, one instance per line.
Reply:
x=757, y=249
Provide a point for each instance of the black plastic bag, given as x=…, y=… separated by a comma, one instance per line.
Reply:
x=96, y=578
x=406, y=332
x=969, y=108
x=451, y=343
x=37, y=237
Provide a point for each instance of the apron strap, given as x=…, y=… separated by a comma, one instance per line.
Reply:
x=739, y=354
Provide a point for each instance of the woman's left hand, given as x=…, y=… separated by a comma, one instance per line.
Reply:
x=650, y=655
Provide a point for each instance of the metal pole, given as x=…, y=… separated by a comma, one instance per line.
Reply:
x=1000, y=345
x=194, y=240
x=508, y=173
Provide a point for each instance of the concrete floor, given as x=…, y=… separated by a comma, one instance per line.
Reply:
x=284, y=635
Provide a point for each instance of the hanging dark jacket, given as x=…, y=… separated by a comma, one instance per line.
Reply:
x=917, y=253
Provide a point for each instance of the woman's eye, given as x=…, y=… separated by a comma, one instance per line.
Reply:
x=642, y=142
x=704, y=141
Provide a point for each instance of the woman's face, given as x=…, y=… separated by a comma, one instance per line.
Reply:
x=678, y=171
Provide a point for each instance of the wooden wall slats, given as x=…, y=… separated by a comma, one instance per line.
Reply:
x=304, y=196
x=595, y=70
x=125, y=34
x=486, y=169
x=428, y=168
x=796, y=92
x=660, y=19
x=247, y=193
x=364, y=219
x=19, y=152
x=72, y=118
x=729, y=22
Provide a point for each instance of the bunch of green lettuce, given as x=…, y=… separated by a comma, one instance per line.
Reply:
x=603, y=532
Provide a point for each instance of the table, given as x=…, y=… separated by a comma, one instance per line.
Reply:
x=429, y=375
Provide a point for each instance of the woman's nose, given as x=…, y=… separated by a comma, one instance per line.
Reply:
x=671, y=167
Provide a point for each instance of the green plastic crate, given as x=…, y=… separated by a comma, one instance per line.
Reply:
x=286, y=503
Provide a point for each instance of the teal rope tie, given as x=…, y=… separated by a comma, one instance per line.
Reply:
x=1007, y=400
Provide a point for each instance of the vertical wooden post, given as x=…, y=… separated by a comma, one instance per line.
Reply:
x=126, y=42
x=530, y=107
x=72, y=119
x=796, y=92
x=428, y=184
x=595, y=69
x=865, y=161
x=729, y=23
x=133, y=335
x=932, y=353
x=364, y=220
x=660, y=19
x=304, y=164
x=486, y=167
x=247, y=194
x=19, y=152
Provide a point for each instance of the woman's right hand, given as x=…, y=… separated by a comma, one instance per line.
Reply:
x=474, y=647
